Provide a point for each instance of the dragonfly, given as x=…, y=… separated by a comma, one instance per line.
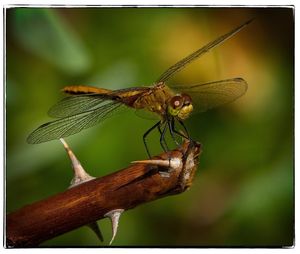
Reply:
x=87, y=106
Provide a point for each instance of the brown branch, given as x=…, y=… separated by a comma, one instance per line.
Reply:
x=90, y=201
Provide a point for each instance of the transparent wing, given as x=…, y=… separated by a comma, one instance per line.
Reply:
x=146, y=114
x=190, y=58
x=70, y=125
x=213, y=94
x=76, y=104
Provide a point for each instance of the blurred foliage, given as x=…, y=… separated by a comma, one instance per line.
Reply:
x=243, y=194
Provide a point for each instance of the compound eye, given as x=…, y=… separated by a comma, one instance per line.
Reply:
x=187, y=99
x=176, y=102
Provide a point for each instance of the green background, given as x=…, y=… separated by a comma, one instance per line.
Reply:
x=243, y=193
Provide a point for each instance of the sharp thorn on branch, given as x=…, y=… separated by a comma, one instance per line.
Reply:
x=80, y=175
x=114, y=217
x=96, y=229
x=173, y=163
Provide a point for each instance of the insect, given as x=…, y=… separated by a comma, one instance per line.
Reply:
x=87, y=105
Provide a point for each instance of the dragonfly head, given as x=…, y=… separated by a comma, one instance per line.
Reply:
x=181, y=106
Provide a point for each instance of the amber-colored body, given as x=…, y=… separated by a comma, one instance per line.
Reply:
x=87, y=105
x=154, y=99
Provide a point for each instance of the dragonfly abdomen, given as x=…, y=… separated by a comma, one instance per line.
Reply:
x=85, y=90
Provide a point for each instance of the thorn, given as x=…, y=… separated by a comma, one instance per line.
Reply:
x=80, y=175
x=173, y=163
x=162, y=163
x=96, y=229
x=114, y=216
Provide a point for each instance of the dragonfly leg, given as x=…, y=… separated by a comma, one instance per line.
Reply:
x=161, y=134
x=177, y=132
x=191, y=142
x=166, y=149
x=146, y=134
x=171, y=129
x=185, y=129
x=162, y=139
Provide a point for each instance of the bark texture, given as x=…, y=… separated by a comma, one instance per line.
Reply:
x=90, y=201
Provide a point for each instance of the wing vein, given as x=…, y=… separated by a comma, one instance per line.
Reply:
x=190, y=58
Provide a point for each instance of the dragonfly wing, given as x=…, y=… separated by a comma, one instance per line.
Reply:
x=73, y=124
x=146, y=114
x=76, y=104
x=190, y=58
x=213, y=94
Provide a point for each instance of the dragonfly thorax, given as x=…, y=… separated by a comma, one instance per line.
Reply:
x=180, y=106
